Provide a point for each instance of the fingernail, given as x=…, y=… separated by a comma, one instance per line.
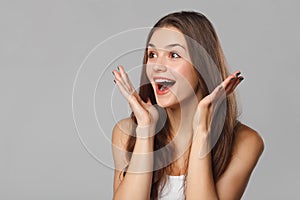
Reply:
x=118, y=68
x=232, y=79
x=241, y=78
x=238, y=74
x=112, y=73
x=115, y=81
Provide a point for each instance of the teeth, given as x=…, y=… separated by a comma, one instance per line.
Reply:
x=163, y=84
x=162, y=88
x=163, y=81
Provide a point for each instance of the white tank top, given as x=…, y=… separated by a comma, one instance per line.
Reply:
x=174, y=188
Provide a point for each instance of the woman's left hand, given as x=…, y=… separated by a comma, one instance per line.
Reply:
x=208, y=105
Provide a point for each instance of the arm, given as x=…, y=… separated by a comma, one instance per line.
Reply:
x=137, y=182
x=139, y=173
x=199, y=182
x=247, y=149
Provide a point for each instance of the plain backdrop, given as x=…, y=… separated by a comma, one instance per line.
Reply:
x=48, y=148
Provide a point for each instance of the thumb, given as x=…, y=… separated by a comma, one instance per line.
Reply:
x=149, y=101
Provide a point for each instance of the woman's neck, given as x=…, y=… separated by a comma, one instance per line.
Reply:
x=181, y=118
x=180, y=126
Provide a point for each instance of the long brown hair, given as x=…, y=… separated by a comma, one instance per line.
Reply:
x=196, y=26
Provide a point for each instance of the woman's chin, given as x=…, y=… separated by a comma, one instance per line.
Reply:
x=167, y=104
x=168, y=100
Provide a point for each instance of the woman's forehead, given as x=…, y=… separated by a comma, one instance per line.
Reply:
x=166, y=37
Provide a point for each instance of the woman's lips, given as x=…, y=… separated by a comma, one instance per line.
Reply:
x=159, y=92
x=163, y=85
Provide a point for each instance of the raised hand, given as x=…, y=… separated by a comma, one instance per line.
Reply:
x=208, y=105
x=145, y=113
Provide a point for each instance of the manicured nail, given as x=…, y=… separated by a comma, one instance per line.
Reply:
x=112, y=73
x=118, y=68
x=232, y=79
x=241, y=78
x=115, y=81
x=238, y=74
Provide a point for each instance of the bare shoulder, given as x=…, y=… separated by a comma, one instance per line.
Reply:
x=248, y=144
x=121, y=132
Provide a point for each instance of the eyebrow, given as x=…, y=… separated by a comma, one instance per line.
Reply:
x=169, y=46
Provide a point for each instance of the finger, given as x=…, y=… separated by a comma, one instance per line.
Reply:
x=137, y=96
x=127, y=83
x=123, y=75
x=137, y=107
x=128, y=95
x=118, y=80
x=218, y=96
x=147, y=104
x=122, y=82
x=122, y=89
x=217, y=93
x=149, y=101
x=230, y=81
x=233, y=82
x=119, y=77
x=237, y=73
x=237, y=82
x=125, y=78
x=135, y=102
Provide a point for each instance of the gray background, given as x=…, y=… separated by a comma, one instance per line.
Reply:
x=42, y=45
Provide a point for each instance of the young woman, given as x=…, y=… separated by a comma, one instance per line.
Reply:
x=170, y=147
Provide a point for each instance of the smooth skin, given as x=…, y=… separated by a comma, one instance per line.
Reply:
x=136, y=184
x=247, y=149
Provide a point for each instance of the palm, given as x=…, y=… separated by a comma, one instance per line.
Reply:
x=208, y=105
x=145, y=113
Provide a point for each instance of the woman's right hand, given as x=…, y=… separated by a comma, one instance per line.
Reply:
x=145, y=113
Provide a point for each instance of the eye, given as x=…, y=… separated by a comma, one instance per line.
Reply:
x=174, y=55
x=151, y=54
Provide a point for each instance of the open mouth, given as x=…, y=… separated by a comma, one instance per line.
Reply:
x=163, y=85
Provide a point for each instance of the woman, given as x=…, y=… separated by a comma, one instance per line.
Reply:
x=185, y=74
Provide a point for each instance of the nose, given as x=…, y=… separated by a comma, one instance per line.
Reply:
x=160, y=66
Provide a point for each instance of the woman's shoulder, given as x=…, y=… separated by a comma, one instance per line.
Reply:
x=248, y=143
x=122, y=131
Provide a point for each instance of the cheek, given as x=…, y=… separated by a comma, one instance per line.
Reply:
x=189, y=75
x=195, y=78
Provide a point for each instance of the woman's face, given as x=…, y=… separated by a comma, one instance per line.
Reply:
x=169, y=68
